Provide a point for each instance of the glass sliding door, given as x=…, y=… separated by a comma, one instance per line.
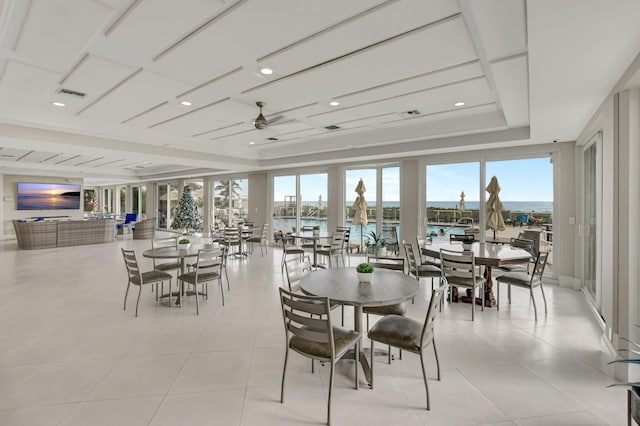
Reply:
x=445, y=185
x=313, y=198
x=230, y=202
x=589, y=229
x=370, y=180
x=284, y=204
x=391, y=198
x=167, y=203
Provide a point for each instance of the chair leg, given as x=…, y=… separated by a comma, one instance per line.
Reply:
x=126, y=292
x=543, y=297
x=138, y=301
x=473, y=305
x=435, y=352
x=535, y=311
x=284, y=370
x=483, y=289
x=424, y=376
x=221, y=290
x=333, y=366
x=355, y=366
x=497, y=295
x=195, y=290
x=373, y=361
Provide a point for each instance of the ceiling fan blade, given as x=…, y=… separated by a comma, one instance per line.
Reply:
x=275, y=119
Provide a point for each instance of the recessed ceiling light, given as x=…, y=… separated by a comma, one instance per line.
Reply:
x=266, y=71
x=252, y=143
x=185, y=103
x=458, y=104
x=58, y=104
x=334, y=103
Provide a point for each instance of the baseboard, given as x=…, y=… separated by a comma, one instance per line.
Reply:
x=570, y=282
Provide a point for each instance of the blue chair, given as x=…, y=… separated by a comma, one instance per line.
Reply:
x=129, y=222
x=522, y=219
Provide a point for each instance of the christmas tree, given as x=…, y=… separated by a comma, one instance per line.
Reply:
x=186, y=215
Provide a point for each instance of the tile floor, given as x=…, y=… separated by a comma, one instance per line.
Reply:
x=70, y=355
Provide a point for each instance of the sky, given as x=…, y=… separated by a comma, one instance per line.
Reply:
x=520, y=180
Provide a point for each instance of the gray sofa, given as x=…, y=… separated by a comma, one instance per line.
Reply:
x=63, y=233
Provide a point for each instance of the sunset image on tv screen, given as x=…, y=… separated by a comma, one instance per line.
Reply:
x=47, y=196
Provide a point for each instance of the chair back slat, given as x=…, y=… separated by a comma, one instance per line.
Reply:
x=541, y=262
x=457, y=264
x=432, y=312
x=522, y=243
x=296, y=269
x=210, y=260
x=131, y=263
x=310, y=307
x=297, y=310
x=411, y=259
x=461, y=237
x=311, y=322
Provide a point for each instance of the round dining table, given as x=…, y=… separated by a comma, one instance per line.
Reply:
x=175, y=253
x=341, y=286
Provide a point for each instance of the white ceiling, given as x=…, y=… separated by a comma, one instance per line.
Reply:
x=528, y=72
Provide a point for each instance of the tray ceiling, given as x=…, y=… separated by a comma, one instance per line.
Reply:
x=397, y=68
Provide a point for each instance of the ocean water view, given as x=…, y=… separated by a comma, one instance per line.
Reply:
x=517, y=206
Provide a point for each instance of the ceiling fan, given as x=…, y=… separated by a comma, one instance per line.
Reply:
x=260, y=122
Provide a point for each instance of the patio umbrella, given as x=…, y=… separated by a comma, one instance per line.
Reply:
x=461, y=205
x=360, y=206
x=494, y=207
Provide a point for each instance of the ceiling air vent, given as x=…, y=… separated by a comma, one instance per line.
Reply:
x=272, y=139
x=409, y=114
x=64, y=91
x=332, y=127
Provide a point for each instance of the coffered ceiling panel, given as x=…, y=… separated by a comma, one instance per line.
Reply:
x=339, y=78
x=23, y=85
x=354, y=33
x=56, y=31
x=150, y=26
x=240, y=38
x=94, y=76
x=500, y=26
x=217, y=115
x=428, y=101
x=142, y=91
x=512, y=85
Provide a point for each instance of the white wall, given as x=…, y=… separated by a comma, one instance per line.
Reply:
x=9, y=200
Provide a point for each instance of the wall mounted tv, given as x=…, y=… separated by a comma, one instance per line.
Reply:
x=48, y=196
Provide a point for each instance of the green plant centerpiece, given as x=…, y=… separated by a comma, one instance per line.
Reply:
x=184, y=243
x=365, y=272
x=316, y=230
x=375, y=243
x=467, y=243
x=633, y=396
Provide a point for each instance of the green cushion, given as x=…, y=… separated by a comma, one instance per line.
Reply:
x=343, y=340
x=398, y=309
x=398, y=331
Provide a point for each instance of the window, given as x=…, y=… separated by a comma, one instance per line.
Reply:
x=299, y=201
x=230, y=201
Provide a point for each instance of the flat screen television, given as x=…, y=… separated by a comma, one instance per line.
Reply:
x=48, y=196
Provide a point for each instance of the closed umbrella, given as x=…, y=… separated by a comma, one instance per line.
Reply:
x=461, y=205
x=494, y=207
x=360, y=206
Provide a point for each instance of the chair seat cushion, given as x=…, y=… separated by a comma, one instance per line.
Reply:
x=190, y=277
x=169, y=266
x=343, y=340
x=397, y=309
x=398, y=331
x=254, y=240
x=464, y=282
x=151, y=277
x=294, y=249
x=429, y=271
x=518, y=267
x=521, y=279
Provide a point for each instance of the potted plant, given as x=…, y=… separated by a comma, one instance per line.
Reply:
x=375, y=244
x=316, y=230
x=184, y=243
x=365, y=272
x=467, y=243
